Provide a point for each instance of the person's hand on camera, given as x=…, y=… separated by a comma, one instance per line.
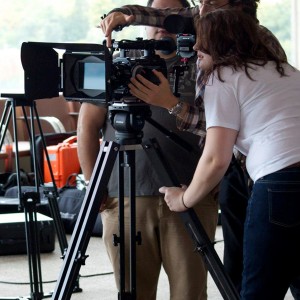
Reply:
x=112, y=21
x=158, y=95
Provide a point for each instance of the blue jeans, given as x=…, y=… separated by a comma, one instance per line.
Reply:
x=272, y=236
x=233, y=200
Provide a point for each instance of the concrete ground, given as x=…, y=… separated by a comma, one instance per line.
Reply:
x=97, y=281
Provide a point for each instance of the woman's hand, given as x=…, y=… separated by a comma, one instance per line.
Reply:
x=159, y=95
x=174, y=197
x=112, y=21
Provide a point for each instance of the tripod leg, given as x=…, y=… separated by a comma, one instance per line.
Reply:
x=30, y=201
x=134, y=238
x=193, y=225
x=6, y=115
x=52, y=194
x=75, y=256
x=120, y=240
x=58, y=224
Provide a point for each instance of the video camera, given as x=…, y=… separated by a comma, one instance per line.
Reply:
x=86, y=72
x=89, y=72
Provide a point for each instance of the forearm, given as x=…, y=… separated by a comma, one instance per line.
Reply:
x=91, y=120
x=207, y=176
x=212, y=165
x=152, y=16
x=192, y=119
x=210, y=170
x=88, y=149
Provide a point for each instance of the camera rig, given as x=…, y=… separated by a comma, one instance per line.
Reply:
x=91, y=73
x=85, y=72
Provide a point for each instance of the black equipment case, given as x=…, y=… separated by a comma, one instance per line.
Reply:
x=13, y=236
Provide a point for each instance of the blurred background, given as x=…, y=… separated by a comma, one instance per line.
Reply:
x=76, y=21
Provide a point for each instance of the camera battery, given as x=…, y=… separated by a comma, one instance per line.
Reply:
x=63, y=160
x=13, y=235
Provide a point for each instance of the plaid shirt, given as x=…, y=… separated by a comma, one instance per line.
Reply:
x=194, y=120
x=153, y=16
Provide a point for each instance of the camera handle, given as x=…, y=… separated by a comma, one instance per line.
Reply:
x=178, y=71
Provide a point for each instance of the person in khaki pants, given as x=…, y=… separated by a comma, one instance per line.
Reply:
x=165, y=240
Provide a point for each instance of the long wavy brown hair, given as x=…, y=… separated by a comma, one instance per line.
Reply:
x=232, y=38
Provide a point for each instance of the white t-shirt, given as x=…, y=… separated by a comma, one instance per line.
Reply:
x=266, y=112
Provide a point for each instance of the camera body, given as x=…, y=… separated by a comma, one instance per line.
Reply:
x=123, y=68
x=95, y=76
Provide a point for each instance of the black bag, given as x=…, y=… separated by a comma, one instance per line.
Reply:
x=10, y=203
x=8, y=180
x=69, y=204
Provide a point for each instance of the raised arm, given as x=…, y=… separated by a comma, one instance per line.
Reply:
x=140, y=15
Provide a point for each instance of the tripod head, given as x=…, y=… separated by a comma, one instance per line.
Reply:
x=128, y=120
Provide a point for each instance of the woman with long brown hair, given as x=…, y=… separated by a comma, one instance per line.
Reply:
x=252, y=104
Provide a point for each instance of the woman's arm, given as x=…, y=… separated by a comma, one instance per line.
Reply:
x=209, y=172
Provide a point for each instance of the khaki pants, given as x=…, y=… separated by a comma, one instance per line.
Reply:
x=165, y=242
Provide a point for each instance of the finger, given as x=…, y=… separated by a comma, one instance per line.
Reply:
x=136, y=92
x=162, y=189
x=146, y=82
x=183, y=186
x=159, y=74
x=136, y=82
x=140, y=86
x=133, y=89
x=108, y=40
x=103, y=25
x=107, y=28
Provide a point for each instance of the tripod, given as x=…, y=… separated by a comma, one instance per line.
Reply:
x=29, y=200
x=75, y=256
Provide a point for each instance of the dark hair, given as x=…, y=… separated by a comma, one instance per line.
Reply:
x=184, y=3
x=248, y=6
x=232, y=38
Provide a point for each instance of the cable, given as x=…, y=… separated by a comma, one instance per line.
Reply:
x=53, y=281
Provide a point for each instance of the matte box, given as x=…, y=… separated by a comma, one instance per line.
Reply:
x=13, y=236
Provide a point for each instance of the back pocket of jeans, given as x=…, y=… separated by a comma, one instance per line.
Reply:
x=284, y=207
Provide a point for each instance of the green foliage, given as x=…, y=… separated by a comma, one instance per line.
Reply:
x=76, y=21
x=52, y=21
x=276, y=16
x=49, y=21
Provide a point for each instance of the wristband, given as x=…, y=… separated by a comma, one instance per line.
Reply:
x=182, y=200
x=177, y=109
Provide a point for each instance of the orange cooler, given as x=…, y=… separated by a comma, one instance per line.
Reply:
x=64, y=161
